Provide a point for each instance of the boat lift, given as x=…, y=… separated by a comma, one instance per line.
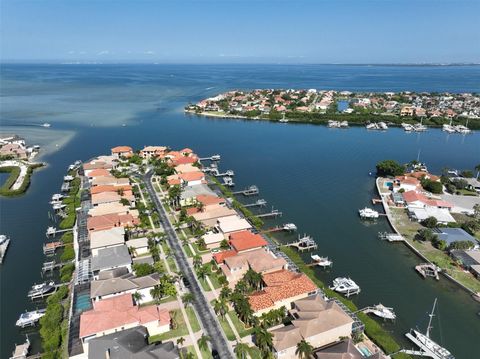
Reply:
x=258, y=203
x=249, y=191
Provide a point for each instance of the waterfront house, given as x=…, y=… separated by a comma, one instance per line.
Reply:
x=123, y=189
x=119, y=313
x=153, y=152
x=211, y=213
x=209, y=200
x=110, y=181
x=314, y=320
x=244, y=241
x=108, y=221
x=452, y=235
x=419, y=200
x=97, y=173
x=344, y=349
x=112, y=208
x=442, y=215
x=470, y=260
x=111, y=197
x=124, y=284
x=122, y=151
x=406, y=183
x=260, y=260
x=107, y=238
x=473, y=184
x=138, y=245
x=186, y=168
x=189, y=194
x=232, y=224
x=281, y=288
x=192, y=178
x=111, y=258
x=14, y=149
x=131, y=344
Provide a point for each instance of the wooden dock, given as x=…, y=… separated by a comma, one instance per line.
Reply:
x=306, y=243
x=258, y=203
x=391, y=237
x=51, y=247
x=273, y=213
x=250, y=191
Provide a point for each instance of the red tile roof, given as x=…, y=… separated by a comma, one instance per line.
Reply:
x=110, y=188
x=183, y=160
x=281, y=285
x=412, y=196
x=120, y=149
x=99, y=172
x=207, y=200
x=110, y=221
x=192, y=176
x=221, y=256
x=245, y=240
x=119, y=311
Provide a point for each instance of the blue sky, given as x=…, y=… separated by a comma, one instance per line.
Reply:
x=202, y=31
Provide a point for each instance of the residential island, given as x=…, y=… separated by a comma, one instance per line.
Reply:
x=16, y=158
x=437, y=216
x=153, y=251
x=334, y=107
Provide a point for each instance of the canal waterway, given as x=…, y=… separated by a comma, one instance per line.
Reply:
x=318, y=177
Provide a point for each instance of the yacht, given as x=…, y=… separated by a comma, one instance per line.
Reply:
x=368, y=213
x=419, y=127
x=228, y=181
x=344, y=124
x=290, y=227
x=383, y=126
x=68, y=178
x=372, y=126
x=4, y=242
x=39, y=290
x=321, y=261
x=407, y=127
x=215, y=158
x=448, y=128
x=383, y=312
x=51, y=231
x=57, y=197
x=30, y=318
x=345, y=286
x=462, y=129
x=428, y=347
x=333, y=124
x=58, y=206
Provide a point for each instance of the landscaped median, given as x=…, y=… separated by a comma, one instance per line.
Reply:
x=10, y=188
x=372, y=328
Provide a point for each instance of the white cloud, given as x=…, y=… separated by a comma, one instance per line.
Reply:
x=149, y=52
x=103, y=52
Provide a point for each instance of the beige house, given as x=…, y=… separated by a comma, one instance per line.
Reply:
x=152, y=151
x=232, y=224
x=213, y=240
x=138, y=245
x=105, y=239
x=112, y=208
x=316, y=321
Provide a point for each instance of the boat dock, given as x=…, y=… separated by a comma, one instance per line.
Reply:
x=258, y=203
x=428, y=270
x=4, y=243
x=51, y=266
x=211, y=158
x=376, y=201
x=52, y=231
x=288, y=227
x=273, y=213
x=304, y=243
x=391, y=237
x=216, y=173
x=41, y=296
x=65, y=187
x=250, y=191
x=50, y=248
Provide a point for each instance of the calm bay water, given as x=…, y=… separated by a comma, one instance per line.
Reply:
x=317, y=176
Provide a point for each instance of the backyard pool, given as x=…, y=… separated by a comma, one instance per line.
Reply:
x=82, y=303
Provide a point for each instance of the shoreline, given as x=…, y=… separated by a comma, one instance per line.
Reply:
x=419, y=254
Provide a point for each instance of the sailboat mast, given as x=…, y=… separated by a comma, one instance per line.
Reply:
x=431, y=315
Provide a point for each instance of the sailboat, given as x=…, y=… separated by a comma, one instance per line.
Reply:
x=428, y=348
x=448, y=128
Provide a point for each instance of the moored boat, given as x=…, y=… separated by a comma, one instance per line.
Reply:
x=321, y=261
x=368, y=213
x=40, y=290
x=30, y=318
x=345, y=286
x=4, y=243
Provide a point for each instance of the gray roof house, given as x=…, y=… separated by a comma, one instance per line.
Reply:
x=110, y=258
x=451, y=235
x=130, y=344
x=123, y=284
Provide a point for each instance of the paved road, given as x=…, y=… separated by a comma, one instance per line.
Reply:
x=203, y=308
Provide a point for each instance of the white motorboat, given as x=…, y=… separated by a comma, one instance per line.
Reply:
x=30, y=318
x=215, y=158
x=368, y=213
x=58, y=206
x=462, y=129
x=381, y=311
x=419, y=127
x=283, y=120
x=289, y=227
x=448, y=128
x=39, y=290
x=57, y=197
x=345, y=286
x=428, y=347
x=4, y=243
x=68, y=178
x=407, y=127
x=372, y=126
x=321, y=261
x=51, y=231
x=344, y=124
x=46, y=124
x=333, y=124
x=228, y=181
x=230, y=173
x=383, y=126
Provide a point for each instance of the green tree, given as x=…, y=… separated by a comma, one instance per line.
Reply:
x=432, y=186
x=242, y=350
x=304, y=349
x=430, y=222
x=220, y=308
x=263, y=339
x=225, y=292
x=188, y=299
x=202, y=272
x=224, y=245
x=125, y=202
x=156, y=293
x=180, y=341
x=137, y=297
x=203, y=342
x=197, y=261
x=389, y=168
x=425, y=235
x=143, y=269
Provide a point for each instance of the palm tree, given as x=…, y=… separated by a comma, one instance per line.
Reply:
x=133, y=251
x=180, y=341
x=220, y=308
x=304, y=349
x=203, y=342
x=173, y=320
x=263, y=339
x=188, y=299
x=137, y=297
x=197, y=261
x=242, y=351
x=156, y=293
x=202, y=273
x=225, y=292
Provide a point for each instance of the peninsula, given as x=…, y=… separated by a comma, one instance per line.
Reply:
x=322, y=106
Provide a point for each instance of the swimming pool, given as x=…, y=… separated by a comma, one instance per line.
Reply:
x=364, y=350
x=388, y=184
x=82, y=303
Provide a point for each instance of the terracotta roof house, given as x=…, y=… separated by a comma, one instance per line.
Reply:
x=127, y=189
x=232, y=224
x=125, y=284
x=246, y=241
x=187, y=168
x=122, y=151
x=406, y=183
x=209, y=200
x=110, y=180
x=419, y=200
x=260, y=260
x=214, y=212
x=281, y=289
x=98, y=172
x=106, y=238
x=190, y=193
x=153, y=151
x=219, y=257
x=109, y=197
x=420, y=174
x=192, y=178
x=184, y=160
x=15, y=150
x=108, y=221
x=119, y=313
x=130, y=344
